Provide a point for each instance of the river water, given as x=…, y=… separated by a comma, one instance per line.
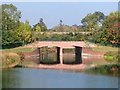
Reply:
x=45, y=78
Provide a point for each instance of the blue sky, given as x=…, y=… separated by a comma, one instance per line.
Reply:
x=70, y=12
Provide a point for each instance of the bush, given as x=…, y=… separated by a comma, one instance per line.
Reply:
x=9, y=58
x=112, y=57
x=12, y=45
x=110, y=69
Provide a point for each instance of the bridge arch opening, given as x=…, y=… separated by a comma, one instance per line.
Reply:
x=55, y=55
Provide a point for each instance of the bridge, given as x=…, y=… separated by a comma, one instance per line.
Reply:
x=59, y=47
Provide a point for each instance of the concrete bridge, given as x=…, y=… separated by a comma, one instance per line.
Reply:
x=60, y=45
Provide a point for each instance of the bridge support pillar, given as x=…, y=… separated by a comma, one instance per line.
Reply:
x=39, y=54
x=78, y=54
x=61, y=55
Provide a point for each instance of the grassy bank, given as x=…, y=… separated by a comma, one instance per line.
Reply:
x=18, y=49
x=9, y=60
x=12, y=57
x=112, y=57
x=108, y=69
x=105, y=49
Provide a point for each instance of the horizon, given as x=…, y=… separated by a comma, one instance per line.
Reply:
x=69, y=12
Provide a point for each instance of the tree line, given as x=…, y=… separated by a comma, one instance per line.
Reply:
x=104, y=29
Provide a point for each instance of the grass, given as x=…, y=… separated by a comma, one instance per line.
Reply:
x=19, y=49
x=109, y=69
x=105, y=48
x=98, y=48
x=9, y=59
x=112, y=57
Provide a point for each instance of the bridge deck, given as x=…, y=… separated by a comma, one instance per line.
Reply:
x=62, y=44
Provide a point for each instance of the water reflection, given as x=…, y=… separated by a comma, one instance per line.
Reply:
x=50, y=56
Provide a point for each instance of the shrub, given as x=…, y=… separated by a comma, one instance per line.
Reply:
x=112, y=57
x=110, y=69
x=9, y=58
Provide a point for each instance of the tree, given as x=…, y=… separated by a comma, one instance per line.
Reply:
x=61, y=26
x=10, y=22
x=10, y=17
x=38, y=29
x=41, y=24
x=36, y=33
x=61, y=22
x=110, y=29
x=92, y=22
x=24, y=32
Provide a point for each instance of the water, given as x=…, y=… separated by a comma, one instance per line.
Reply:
x=45, y=78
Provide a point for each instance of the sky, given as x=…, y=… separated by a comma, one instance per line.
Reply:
x=70, y=12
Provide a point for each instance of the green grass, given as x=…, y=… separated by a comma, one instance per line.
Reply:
x=105, y=48
x=108, y=57
x=112, y=56
x=109, y=69
x=19, y=49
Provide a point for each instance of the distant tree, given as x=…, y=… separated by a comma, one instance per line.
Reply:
x=36, y=33
x=61, y=22
x=92, y=22
x=61, y=26
x=41, y=24
x=38, y=29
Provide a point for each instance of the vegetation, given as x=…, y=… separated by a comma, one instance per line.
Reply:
x=110, y=69
x=10, y=22
x=112, y=57
x=108, y=34
x=9, y=60
x=105, y=48
x=103, y=29
x=63, y=37
x=92, y=22
x=24, y=33
x=19, y=49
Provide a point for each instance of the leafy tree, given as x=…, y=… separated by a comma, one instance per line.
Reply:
x=110, y=29
x=10, y=22
x=92, y=22
x=41, y=24
x=24, y=32
x=38, y=29
x=36, y=33
x=10, y=17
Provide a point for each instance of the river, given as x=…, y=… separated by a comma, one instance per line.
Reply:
x=46, y=78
